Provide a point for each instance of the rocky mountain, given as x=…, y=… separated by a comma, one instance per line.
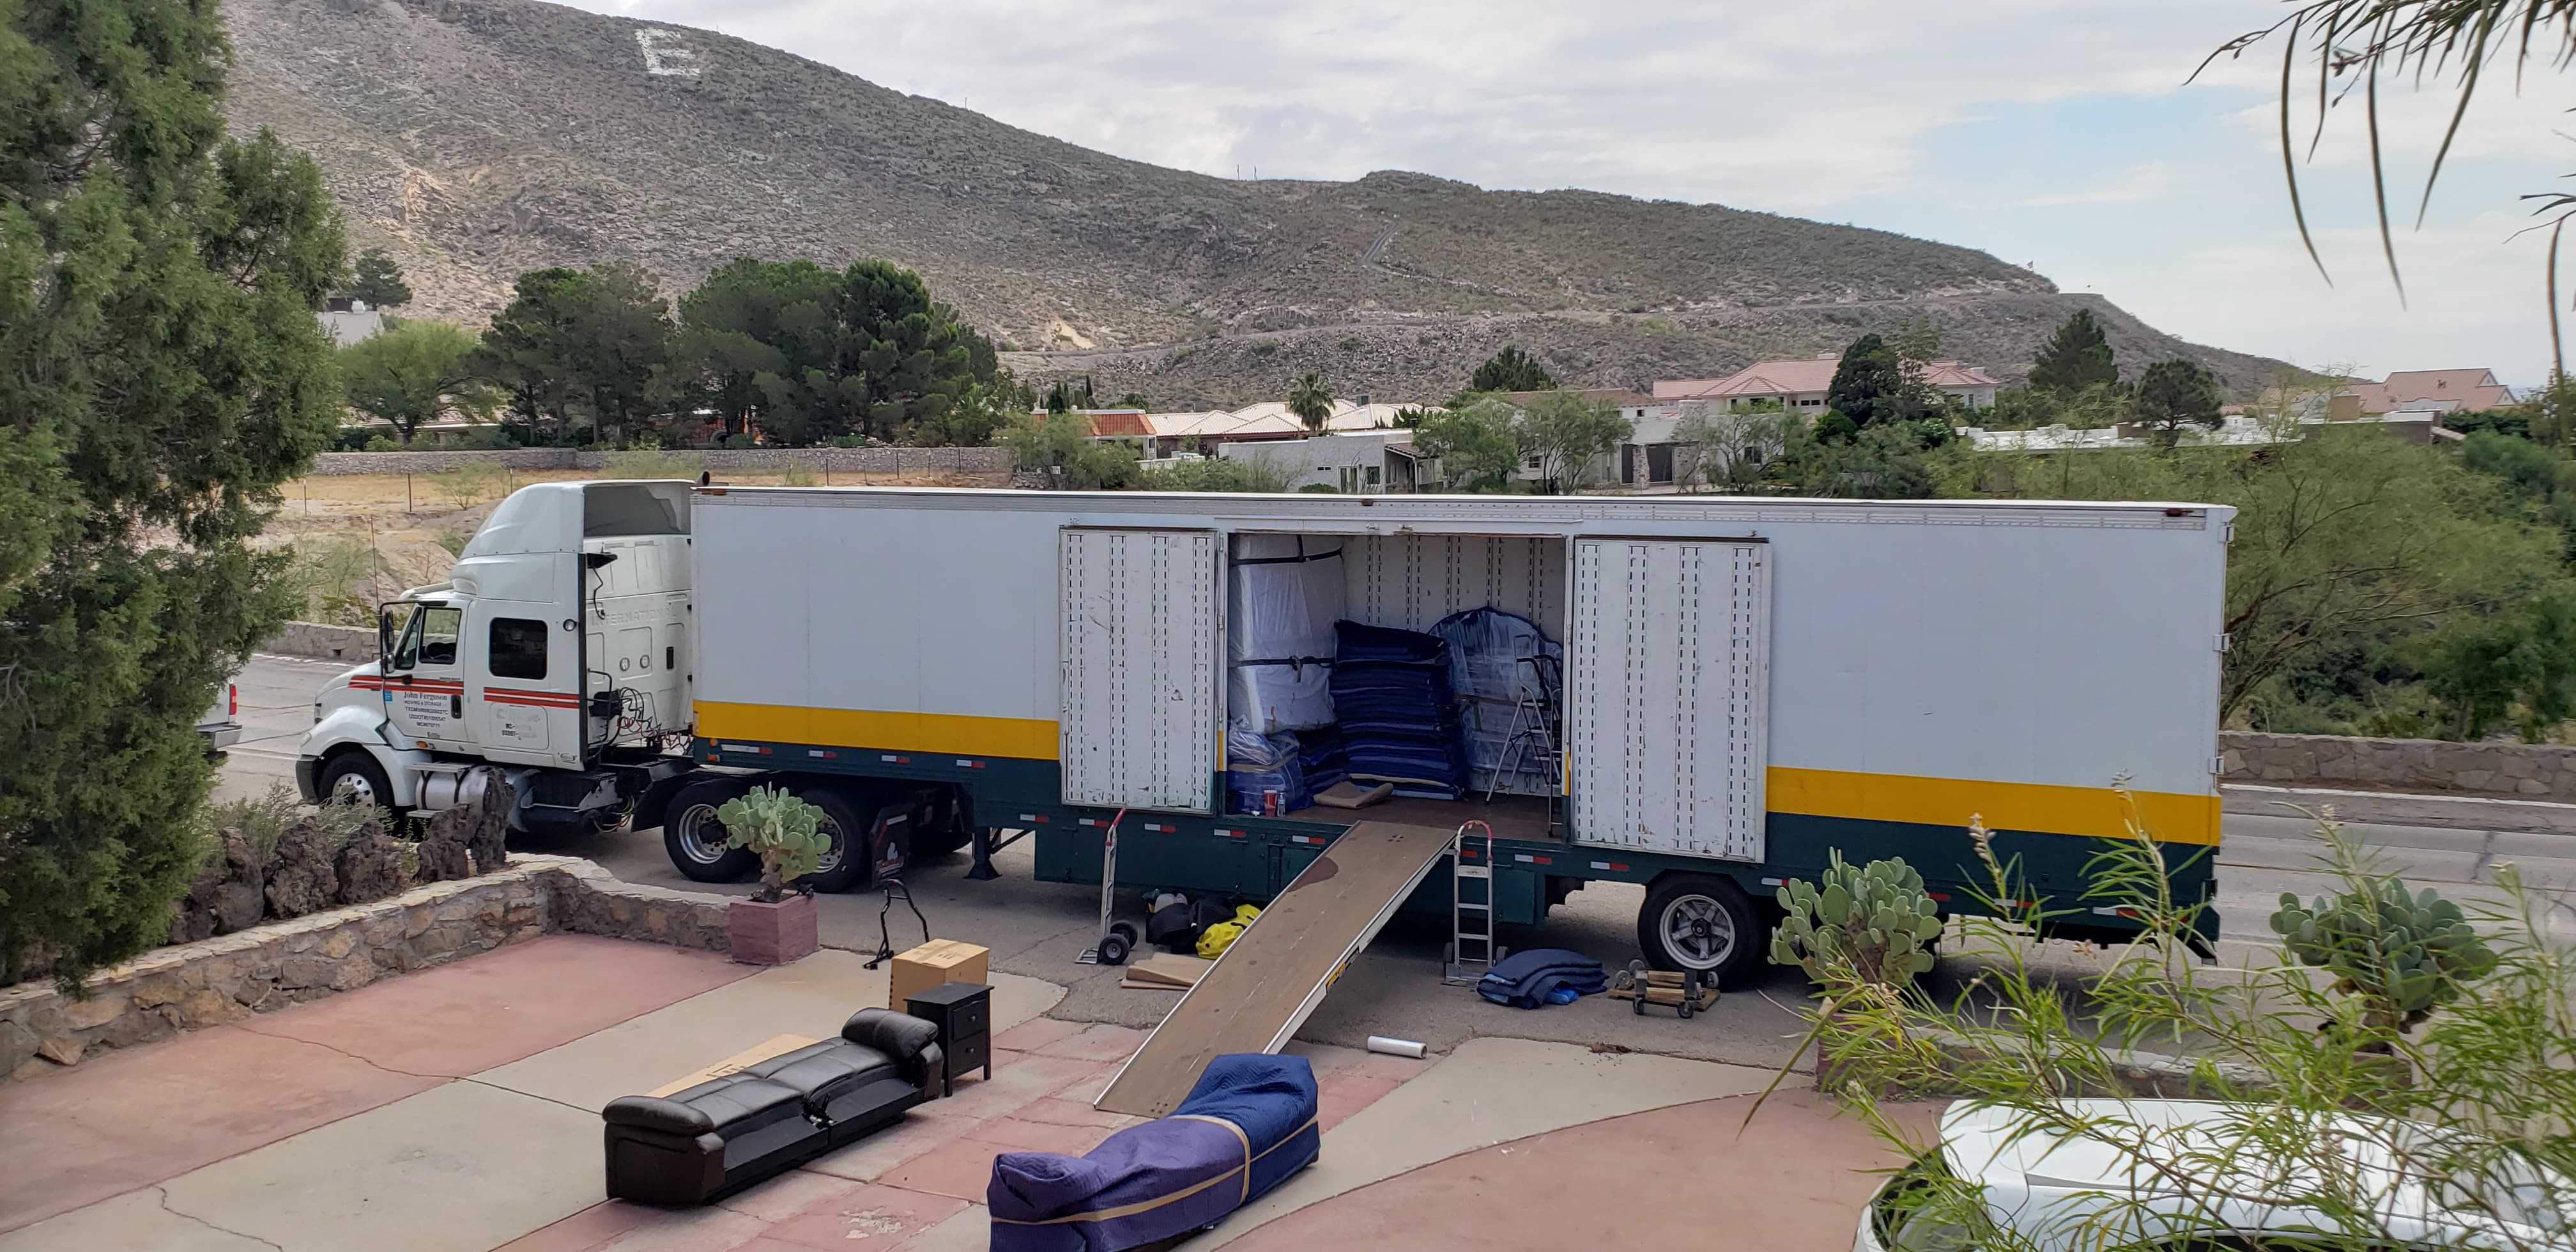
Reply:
x=480, y=138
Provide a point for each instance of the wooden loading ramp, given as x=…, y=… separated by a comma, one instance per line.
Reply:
x=1275, y=973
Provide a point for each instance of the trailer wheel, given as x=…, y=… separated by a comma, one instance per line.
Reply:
x=696, y=840
x=1701, y=922
x=850, y=859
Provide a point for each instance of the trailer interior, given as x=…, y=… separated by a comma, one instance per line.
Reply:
x=1287, y=593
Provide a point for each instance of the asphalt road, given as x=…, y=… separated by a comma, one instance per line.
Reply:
x=1036, y=928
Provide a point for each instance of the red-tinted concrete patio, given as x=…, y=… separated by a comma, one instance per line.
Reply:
x=454, y=1109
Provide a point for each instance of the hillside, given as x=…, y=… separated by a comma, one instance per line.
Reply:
x=481, y=138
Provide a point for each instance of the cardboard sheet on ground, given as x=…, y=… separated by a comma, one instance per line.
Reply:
x=1166, y=971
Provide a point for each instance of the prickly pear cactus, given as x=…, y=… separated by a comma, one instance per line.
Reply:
x=1872, y=923
x=2403, y=954
x=785, y=832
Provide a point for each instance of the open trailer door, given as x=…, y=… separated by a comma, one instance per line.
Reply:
x=1668, y=677
x=1139, y=637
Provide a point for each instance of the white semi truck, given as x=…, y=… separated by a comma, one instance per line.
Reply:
x=1747, y=683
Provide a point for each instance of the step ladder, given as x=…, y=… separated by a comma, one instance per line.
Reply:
x=1471, y=905
x=1532, y=730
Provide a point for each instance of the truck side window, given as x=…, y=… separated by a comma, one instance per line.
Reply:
x=407, y=652
x=518, y=648
x=438, y=632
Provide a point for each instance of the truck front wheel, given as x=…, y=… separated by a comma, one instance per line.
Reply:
x=1701, y=922
x=696, y=840
x=353, y=777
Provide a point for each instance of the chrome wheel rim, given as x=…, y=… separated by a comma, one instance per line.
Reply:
x=833, y=855
x=1698, y=932
x=353, y=788
x=692, y=829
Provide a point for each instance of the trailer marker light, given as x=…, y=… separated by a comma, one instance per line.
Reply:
x=1029, y=817
x=2118, y=911
x=1303, y=839
x=737, y=747
x=1223, y=833
x=1164, y=829
x=818, y=752
x=898, y=760
x=1610, y=865
x=1772, y=882
x=1086, y=821
x=1938, y=897
x=715, y=756
x=966, y=764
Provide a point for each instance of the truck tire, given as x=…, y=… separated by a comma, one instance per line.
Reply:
x=351, y=774
x=851, y=860
x=1703, y=922
x=696, y=840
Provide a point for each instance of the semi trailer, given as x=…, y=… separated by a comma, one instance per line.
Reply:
x=1748, y=684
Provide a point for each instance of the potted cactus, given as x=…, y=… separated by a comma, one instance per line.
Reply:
x=1871, y=924
x=2401, y=954
x=776, y=925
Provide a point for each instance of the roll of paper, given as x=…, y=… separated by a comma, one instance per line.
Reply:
x=1395, y=1047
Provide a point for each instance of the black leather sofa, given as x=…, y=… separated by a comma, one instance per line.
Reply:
x=725, y=1134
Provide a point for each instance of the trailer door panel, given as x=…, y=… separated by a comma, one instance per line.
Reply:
x=1139, y=638
x=1668, y=682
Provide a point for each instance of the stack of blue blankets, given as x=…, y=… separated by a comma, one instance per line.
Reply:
x=1542, y=976
x=1247, y=1126
x=1319, y=754
x=1397, y=712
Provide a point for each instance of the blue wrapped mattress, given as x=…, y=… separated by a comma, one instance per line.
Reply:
x=1247, y=1125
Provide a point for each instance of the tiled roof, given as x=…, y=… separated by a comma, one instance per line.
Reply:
x=2470, y=389
x=1802, y=375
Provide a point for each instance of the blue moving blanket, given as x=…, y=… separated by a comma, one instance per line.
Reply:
x=1248, y=1125
x=1524, y=979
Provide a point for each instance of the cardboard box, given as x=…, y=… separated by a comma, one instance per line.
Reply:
x=933, y=963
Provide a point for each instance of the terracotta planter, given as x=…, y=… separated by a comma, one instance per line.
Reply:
x=773, y=934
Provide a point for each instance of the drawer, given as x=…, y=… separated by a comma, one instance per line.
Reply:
x=974, y=1017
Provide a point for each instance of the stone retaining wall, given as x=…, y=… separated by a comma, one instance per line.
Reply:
x=230, y=977
x=2516, y=770
x=350, y=644
x=852, y=461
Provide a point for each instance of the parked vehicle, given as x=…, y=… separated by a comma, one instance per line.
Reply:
x=221, y=725
x=1747, y=684
x=2178, y=1176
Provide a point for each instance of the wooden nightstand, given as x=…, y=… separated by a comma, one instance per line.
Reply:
x=964, y=1012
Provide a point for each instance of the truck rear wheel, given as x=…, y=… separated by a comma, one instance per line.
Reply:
x=1701, y=922
x=850, y=859
x=696, y=840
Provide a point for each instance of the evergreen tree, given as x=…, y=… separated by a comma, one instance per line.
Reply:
x=161, y=374
x=379, y=281
x=1869, y=383
x=2074, y=358
x=2172, y=394
x=751, y=333
x=527, y=349
x=1511, y=370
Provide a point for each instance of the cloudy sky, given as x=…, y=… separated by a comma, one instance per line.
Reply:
x=2057, y=133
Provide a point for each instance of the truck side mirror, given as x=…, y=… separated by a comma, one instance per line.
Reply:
x=384, y=638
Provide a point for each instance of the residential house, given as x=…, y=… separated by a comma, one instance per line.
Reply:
x=1799, y=384
x=349, y=321
x=1358, y=463
x=1169, y=434
x=2434, y=391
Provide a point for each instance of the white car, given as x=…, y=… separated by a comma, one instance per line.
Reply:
x=221, y=725
x=2046, y=1187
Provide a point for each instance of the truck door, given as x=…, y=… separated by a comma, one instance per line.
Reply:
x=424, y=682
x=522, y=693
x=1668, y=677
x=1139, y=634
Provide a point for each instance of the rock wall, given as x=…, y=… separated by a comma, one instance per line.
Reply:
x=349, y=644
x=230, y=977
x=852, y=461
x=2514, y=770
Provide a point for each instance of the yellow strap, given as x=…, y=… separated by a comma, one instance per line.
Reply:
x=1244, y=1139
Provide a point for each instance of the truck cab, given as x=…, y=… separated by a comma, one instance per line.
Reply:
x=557, y=652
